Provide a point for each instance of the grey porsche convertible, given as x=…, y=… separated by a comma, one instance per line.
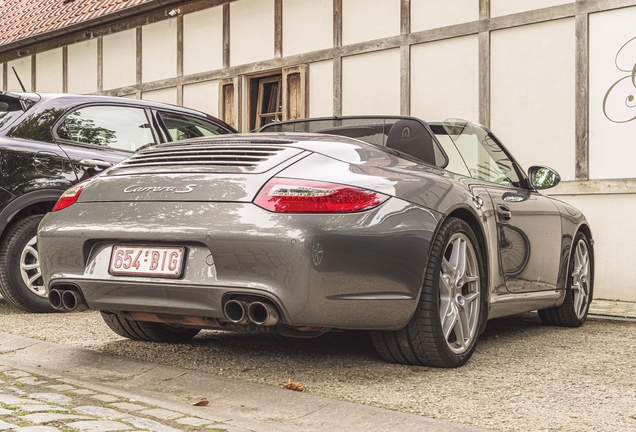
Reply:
x=419, y=232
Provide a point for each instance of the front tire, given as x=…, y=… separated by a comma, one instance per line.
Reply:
x=578, y=293
x=148, y=331
x=452, y=307
x=20, y=276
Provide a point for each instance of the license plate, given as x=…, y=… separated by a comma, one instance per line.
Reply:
x=162, y=261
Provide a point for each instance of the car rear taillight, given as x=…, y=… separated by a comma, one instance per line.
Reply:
x=304, y=196
x=69, y=197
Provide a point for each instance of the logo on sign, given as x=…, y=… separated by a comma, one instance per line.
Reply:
x=619, y=102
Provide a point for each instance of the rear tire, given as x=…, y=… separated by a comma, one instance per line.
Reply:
x=148, y=331
x=20, y=277
x=452, y=308
x=578, y=293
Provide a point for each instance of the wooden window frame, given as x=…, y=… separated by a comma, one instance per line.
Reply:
x=243, y=117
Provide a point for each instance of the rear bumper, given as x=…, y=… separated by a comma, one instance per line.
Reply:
x=356, y=271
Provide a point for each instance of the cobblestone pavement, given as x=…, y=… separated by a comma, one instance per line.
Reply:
x=34, y=403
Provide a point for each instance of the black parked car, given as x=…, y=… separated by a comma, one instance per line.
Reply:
x=49, y=142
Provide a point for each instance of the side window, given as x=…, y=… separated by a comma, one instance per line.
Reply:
x=455, y=162
x=182, y=127
x=486, y=160
x=124, y=128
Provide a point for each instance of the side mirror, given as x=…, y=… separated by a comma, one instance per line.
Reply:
x=542, y=177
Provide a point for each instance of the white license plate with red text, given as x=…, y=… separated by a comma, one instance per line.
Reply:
x=163, y=261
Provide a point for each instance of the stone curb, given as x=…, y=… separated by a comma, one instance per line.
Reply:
x=234, y=405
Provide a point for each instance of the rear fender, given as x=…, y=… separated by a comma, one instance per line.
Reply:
x=44, y=197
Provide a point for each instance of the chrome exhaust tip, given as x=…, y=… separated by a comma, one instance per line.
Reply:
x=236, y=311
x=73, y=301
x=263, y=314
x=55, y=299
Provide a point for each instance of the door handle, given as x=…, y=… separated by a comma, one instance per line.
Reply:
x=95, y=163
x=504, y=213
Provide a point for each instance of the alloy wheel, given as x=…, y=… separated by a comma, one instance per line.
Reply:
x=30, y=268
x=580, y=279
x=459, y=297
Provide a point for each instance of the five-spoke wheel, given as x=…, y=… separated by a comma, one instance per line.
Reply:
x=20, y=278
x=578, y=293
x=30, y=268
x=459, y=293
x=452, y=309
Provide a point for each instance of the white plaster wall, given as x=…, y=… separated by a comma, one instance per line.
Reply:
x=614, y=280
x=445, y=79
x=371, y=83
x=202, y=96
x=120, y=59
x=307, y=25
x=2, y=74
x=82, y=67
x=203, y=40
x=23, y=67
x=251, y=31
x=430, y=14
x=533, y=93
x=612, y=120
x=159, y=50
x=364, y=20
x=321, y=89
x=507, y=7
x=168, y=95
x=48, y=71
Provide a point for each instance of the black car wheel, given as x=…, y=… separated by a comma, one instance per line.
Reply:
x=20, y=277
x=578, y=293
x=148, y=331
x=452, y=308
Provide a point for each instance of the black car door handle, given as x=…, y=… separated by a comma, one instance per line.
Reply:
x=95, y=163
x=504, y=213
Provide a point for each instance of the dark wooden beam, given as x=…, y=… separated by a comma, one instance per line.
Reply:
x=278, y=28
x=226, y=35
x=581, y=168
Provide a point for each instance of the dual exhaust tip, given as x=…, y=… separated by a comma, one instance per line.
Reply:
x=67, y=300
x=259, y=313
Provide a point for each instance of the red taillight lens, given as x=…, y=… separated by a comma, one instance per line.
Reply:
x=68, y=198
x=304, y=196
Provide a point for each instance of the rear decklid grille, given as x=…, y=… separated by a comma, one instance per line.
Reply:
x=209, y=156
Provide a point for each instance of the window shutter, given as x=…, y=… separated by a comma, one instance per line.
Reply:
x=229, y=101
x=295, y=91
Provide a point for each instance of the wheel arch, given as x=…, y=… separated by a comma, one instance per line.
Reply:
x=469, y=216
x=31, y=203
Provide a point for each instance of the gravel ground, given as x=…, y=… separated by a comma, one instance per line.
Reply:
x=522, y=377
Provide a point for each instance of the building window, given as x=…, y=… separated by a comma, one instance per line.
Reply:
x=268, y=93
x=272, y=96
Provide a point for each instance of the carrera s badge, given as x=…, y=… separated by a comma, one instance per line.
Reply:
x=173, y=189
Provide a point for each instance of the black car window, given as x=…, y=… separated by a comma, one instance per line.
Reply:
x=10, y=108
x=124, y=128
x=182, y=126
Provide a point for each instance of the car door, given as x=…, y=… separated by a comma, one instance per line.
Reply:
x=97, y=136
x=528, y=224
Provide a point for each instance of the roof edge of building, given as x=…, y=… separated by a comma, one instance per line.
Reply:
x=88, y=24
